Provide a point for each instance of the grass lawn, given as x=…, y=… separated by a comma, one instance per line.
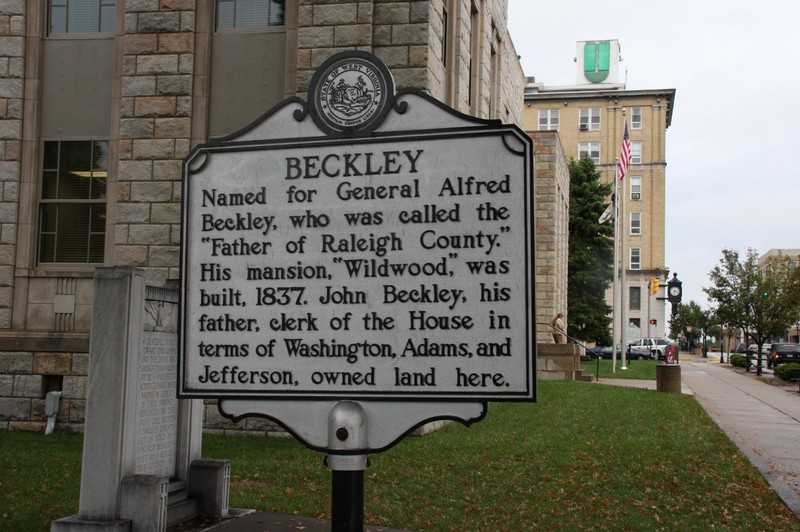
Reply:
x=585, y=457
x=637, y=369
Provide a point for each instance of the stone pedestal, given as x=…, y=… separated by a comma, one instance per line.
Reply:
x=668, y=378
x=140, y=440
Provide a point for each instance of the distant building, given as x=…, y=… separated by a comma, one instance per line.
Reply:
x=792, y=333
x=792, y=254
x=100, y=101
x=588, y=117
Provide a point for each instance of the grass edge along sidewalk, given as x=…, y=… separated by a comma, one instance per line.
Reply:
x=584, y=457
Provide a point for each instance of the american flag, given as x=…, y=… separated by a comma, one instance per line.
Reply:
x=624, y=153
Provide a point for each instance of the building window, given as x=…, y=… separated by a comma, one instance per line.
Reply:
x=636, y=259
x=590, y=150
x=52, y=383
x=548, y=119
x=636, y=223
x=635, y=298
x=81, y=16
x=636, y=187
x=494, y=82
x=636, y=152
x=636, y=118
x=475, y=50
x=443, y=41
x=72, y=209
x=589, y=119
x=233, y=14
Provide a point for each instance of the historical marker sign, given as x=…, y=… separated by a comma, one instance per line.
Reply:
x=369, y=246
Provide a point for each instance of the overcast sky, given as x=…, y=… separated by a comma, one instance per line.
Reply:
x=732, y=149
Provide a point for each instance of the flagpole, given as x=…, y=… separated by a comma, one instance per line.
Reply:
x=623, y=267
x=615, y=284
x=624, y=250
x=624, y=257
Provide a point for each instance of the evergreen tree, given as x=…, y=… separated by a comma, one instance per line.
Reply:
x=591, y=254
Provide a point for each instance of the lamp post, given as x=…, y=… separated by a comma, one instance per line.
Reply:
x=689, y=338
x=722, y=344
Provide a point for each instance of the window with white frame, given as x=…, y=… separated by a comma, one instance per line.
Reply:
x=636, y=152
x=636, y=118
x=636, y=187
x=636, y=223
x=81, y=16
x=636, y=259
x=635, y=298
x=589, y=119
x=590, y=150
x=236, y=14
x=548, y=119
x=72, y=208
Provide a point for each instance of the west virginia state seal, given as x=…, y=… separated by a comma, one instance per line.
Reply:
x=350, y=93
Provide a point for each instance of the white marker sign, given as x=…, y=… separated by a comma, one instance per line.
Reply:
x=392, y=263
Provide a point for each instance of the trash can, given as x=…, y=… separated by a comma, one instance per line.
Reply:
x=668, y=378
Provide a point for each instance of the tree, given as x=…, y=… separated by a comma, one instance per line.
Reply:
x=689, y=315
x=762, y=302
x=591, y=255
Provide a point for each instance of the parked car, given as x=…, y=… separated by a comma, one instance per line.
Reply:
x=649, y=348
x=741, y=347
x=783, y=353
x=752, y=352
x=603, y=352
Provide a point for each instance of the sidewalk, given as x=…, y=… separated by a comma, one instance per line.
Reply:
x=761, y=419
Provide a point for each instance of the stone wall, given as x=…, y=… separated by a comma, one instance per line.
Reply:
x=155, y=123
x=12, y=86
x=24, y=379
x=552, y=230
x=159, y=111
x=558, y=362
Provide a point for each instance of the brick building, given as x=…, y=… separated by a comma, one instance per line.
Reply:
x=588, y=117
x=101, y=100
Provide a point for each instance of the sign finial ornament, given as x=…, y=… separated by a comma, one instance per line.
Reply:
x=350, y=93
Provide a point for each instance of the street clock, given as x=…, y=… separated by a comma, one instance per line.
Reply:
x=674, y=289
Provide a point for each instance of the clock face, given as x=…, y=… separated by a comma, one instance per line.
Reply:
x=674, y=291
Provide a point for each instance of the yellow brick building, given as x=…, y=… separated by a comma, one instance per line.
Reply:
x=589, y=118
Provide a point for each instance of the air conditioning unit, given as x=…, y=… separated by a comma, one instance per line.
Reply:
x=584, y=127
x=636, y=195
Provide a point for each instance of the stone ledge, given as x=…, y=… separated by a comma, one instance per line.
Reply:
x=66, y=342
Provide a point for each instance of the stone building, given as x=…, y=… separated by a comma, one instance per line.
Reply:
x=101, y=100
x=589, y=118
x=552, y=230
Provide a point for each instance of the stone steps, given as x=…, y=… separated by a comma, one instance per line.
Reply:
x=179, y=506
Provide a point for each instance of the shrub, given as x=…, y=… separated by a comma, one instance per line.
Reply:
x=788, y=371
x=740, y=361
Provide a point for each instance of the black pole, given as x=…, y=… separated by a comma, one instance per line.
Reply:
x=597, y=371
x=347, y=501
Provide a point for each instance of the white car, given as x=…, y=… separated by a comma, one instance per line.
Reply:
x=752, y=351
x=648, y=348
